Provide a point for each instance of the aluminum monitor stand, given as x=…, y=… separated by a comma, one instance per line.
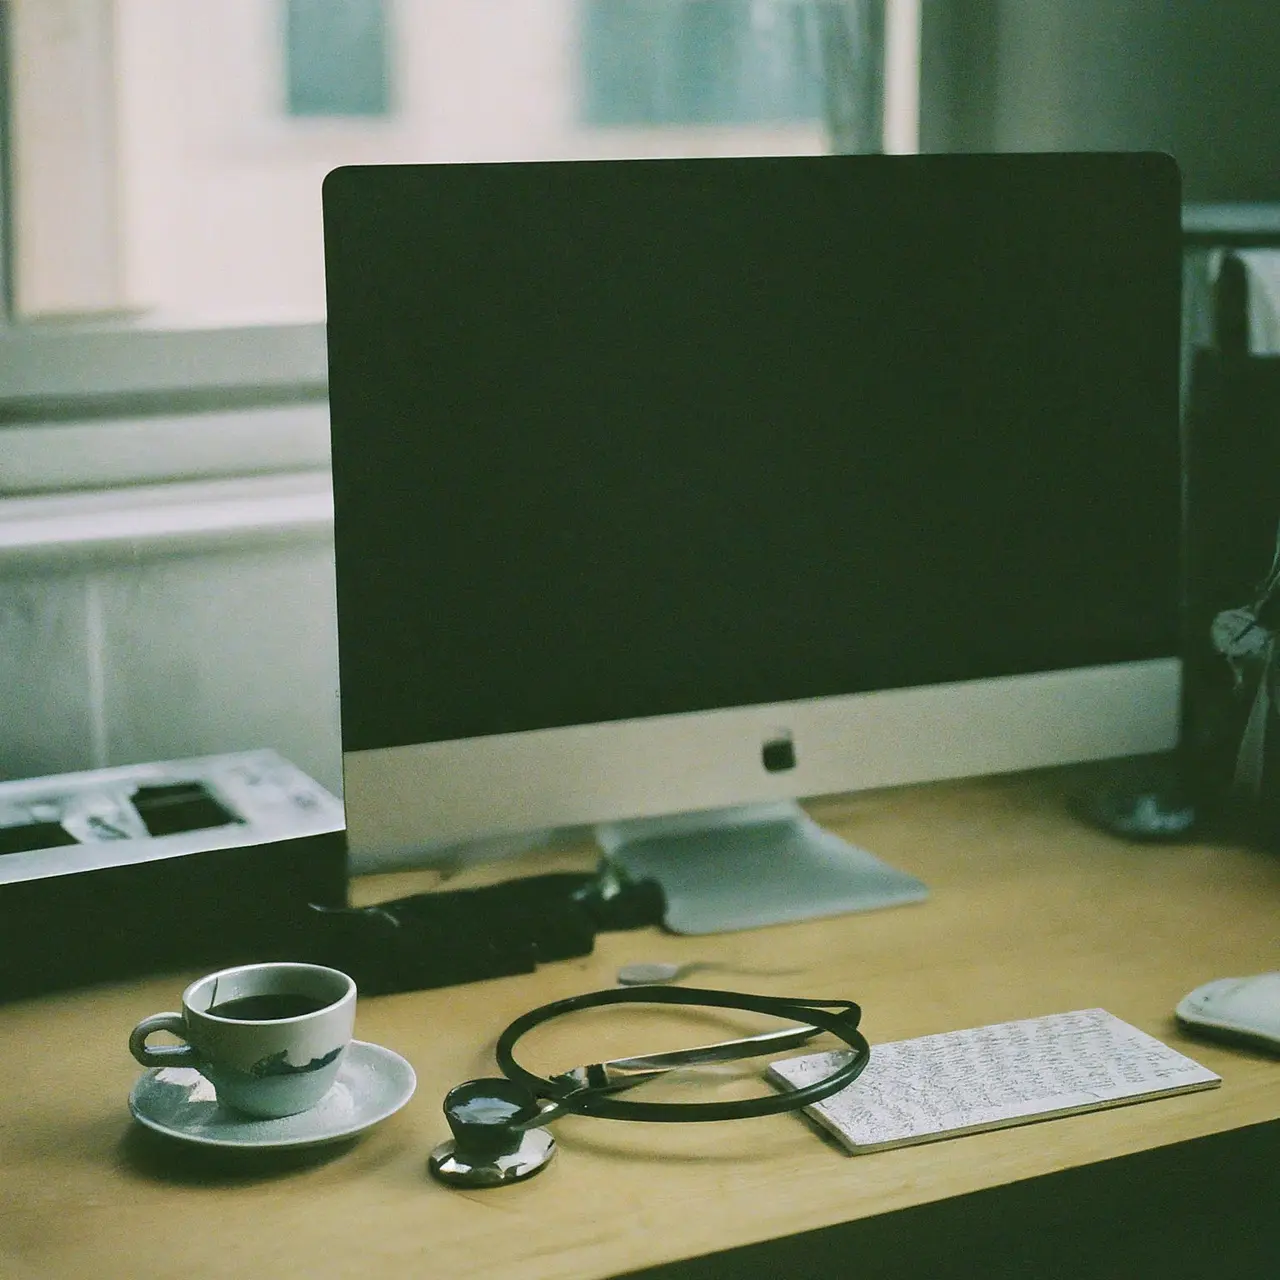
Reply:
x=752, y=865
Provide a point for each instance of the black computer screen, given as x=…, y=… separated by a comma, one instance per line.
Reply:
x=630, y=438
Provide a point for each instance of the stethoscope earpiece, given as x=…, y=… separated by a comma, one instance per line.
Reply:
x=495, y=1141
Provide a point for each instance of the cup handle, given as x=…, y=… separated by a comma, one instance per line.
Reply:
x=163, y=1055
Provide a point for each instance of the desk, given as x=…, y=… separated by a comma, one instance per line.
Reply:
x=1031, y=913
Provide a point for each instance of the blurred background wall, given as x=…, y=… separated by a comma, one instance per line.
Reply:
x=166, y=579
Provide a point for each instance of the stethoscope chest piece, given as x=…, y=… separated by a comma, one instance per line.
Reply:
x=466, y=1169
x=492, y=1145
x=498, y=1123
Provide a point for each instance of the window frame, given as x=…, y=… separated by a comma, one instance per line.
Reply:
x=45, y=365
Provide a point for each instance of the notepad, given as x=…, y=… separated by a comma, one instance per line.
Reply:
x=960, y=1082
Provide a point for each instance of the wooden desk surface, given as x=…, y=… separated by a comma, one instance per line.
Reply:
x=1031, y=913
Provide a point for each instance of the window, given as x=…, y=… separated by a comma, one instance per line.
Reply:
x=336, y=58
x=666, y=62
x=167, y=155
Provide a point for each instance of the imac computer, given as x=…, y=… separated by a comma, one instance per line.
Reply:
x=668, y=492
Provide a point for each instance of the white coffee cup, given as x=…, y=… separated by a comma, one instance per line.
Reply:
x=270, y=1038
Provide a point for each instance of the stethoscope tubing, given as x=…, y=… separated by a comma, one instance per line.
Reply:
x=840, y=1017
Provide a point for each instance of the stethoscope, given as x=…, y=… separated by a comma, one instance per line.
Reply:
x=497, y=1122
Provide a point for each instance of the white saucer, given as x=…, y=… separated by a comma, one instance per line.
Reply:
x=179, y=1102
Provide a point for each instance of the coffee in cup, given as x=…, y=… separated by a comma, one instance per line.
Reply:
x=269, y=1037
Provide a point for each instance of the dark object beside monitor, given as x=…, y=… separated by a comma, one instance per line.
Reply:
x=179, y=864
x=207, y=909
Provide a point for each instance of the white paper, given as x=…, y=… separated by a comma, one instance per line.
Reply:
x=1008, y=1073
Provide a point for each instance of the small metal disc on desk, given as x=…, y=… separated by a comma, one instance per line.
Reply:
x=531, y=1156
x=641, y=973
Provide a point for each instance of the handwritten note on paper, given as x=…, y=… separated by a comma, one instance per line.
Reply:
x=1010, y=1073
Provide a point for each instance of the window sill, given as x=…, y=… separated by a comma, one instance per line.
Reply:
x=149, y=520
x=43, y=363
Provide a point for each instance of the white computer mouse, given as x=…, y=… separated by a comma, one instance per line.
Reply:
x=1240, y=1009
